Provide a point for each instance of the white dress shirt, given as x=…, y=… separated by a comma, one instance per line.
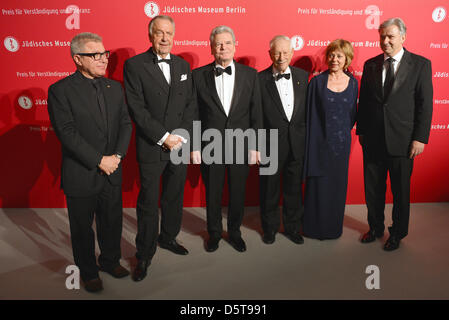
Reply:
x=285, y=89
x=396, y=62
x=225, y=87
x=165, y=67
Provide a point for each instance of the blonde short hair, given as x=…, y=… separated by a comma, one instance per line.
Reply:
x=344, y=46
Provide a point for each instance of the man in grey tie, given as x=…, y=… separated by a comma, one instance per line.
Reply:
x=393, y=124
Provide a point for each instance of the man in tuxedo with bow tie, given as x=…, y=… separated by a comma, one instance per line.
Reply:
x=89, y=115
x=393, y=123
x=160, y=97
x=284, y=90
x=228, y=97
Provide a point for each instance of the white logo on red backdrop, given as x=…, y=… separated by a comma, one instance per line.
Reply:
x=373, y=20
x=439, y=14
x=151, y=9
x=72, y=21
x=25, y=102
x=11, y=44
x=297, y=42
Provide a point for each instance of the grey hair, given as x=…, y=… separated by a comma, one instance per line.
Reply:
x=280, y=37
x=151, y=24
x=398, y=22
x=78, y=41
x=221, y=29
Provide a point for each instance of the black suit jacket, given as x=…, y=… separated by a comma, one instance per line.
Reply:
x=246, y=107
x=155, y=106
x=83, y=135
x=405, y=115
x=293, y=131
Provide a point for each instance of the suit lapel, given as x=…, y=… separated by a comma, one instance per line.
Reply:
x=296, y=91
x=274, y=93
x=378, y=68
x=210, y=80
x=403, y=72
x=238, y=87
x=155, y=72
x=109, y=103
x=81, y=88
x=175, y=72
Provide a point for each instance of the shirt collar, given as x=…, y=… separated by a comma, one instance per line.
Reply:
x=84, y=78
x=220, y=66
x=275, y=71
x=160, y=58
x=397, y=57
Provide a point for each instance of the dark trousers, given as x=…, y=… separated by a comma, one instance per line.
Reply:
x=147, y=210
x=107, y=208
x=292, y=208
x=214, y=177
x=375, y=169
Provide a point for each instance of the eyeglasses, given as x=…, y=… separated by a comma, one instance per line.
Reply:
x=96, y=55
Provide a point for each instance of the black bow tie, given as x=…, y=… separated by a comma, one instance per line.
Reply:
x=219, y=71
x=162, y=60
x=282, y=75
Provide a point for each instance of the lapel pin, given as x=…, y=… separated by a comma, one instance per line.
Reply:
x=108, y=86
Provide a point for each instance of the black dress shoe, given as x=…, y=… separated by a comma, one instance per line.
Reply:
x=269, y=237
x=238, y=244
x=94, y=285
x=295, y=237
x=371, y=236
x=392, y=243
x=212, y=244
x=116, y=272
x=174, y=247
x=140, y=272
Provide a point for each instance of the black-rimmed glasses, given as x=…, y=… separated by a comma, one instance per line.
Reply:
x=96, y=55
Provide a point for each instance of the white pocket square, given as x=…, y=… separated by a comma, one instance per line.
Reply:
x=183, y=77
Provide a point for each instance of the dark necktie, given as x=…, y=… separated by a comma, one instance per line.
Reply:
x=219, y=71
x=163, y=60
x=389, y=78
x=282, y=75
x=100, y=100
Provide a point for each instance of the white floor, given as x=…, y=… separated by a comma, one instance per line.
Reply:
x=35, y=251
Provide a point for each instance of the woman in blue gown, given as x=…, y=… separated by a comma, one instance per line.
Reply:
x=331, y=106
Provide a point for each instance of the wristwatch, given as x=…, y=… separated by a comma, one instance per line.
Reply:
x=119, y=155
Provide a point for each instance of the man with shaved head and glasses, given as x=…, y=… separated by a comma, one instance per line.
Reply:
x=90, y=118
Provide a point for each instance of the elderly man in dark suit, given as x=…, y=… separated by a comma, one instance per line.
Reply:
x=284, y=90
x=160, y=97
x=90, y=118
x=393, y=124
x=228, y=98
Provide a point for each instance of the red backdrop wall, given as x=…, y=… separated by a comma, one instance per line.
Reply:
x=34, y=53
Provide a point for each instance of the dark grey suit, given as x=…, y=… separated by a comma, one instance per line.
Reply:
x=389, y=125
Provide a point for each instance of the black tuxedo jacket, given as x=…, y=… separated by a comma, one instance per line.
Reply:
x=293, y=131
x=84, y=137
x=405, y=115
x=155, y=106
x=246, y=107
